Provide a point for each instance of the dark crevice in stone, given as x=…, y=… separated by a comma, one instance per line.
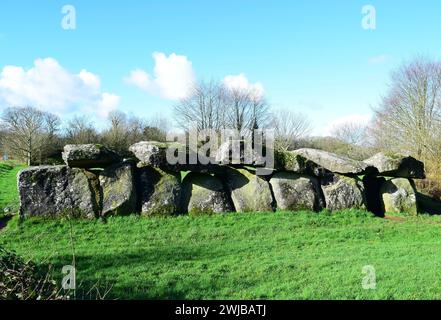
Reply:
x=321, y=200
x=267, y=178
x=96, y=190
x=274, y=201
x=139, y=187
x=185, y=196
x=374, y=202
x=228, y=191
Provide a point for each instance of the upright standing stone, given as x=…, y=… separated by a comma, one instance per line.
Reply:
x=249, y=192
x=205, y=194
x=294, y=192
x=159, y=191
x=343, y=192
x=399, y=196
x=55, y=191
x=118, y=189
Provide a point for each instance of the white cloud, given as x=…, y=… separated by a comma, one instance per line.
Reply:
x=49, y=86
x=241, y=82
x=108, y=102
x=173, y=77
x=90, y=80
x=353, y=118
x=379, y=59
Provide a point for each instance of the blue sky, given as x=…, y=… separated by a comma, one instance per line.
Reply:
x=309, y=56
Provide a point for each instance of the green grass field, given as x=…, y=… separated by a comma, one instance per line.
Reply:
x=241, y=256
x=8, y=186
x=280, y=255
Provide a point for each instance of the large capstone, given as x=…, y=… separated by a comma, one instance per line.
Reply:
x=399, y=196
x=293, y=191
x=55, y=191
x=240, y=152
x=249, y=192
x=399, y=166
x=153, y=153
x=291, y=161
x=204, y=194
x=335, y=163
x=118, y=190
x=89, y=156
x=341, y=192
x=160, y=192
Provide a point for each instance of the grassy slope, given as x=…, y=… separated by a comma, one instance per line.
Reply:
x=8, y=185
x=243, y=256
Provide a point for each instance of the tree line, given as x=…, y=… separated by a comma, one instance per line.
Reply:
x=37, y=137
x=407, y=120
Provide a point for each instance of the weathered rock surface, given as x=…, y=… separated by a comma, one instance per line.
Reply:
x=176, y=157
x=239, y=152
x=293, y=191
x=160, y=192
x=118, y=189
x=335, y=163
x=249, y=192
x=89, y=156
x=399, y=166
x=96, y=182
x=54, y=191
x=293, y=162
x=343, y=192
x=150, y=153
x=204, y=194
x=399, y=196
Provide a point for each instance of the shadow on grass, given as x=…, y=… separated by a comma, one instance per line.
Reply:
x=427, y=204
x=145, y=274
x=4, y=221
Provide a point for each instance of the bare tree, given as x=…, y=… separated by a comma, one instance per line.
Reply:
x=205, y=107
x=160, y=122
x=29, y=131
x=3, y=145
x=410, y=113
x=156, y=128
x=212, y=105
x=80, y=130
x=246, y=109
x=50, y=142
x=350, y=132
x=289, y=128
x=116, y=136
x=125, y=130
x=260, y=116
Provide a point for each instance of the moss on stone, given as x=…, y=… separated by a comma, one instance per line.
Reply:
x=249, y=192
x=294, y=191
x=160, y=192
x=118, y=190
x=399, y=196
x=204, y=194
